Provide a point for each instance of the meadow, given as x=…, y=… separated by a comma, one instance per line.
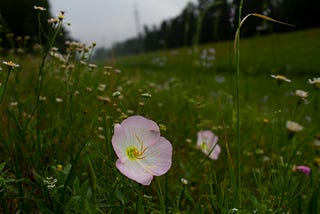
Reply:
x=58, y=116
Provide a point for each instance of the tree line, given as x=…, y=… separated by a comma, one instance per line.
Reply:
x=216, y=20
x=24, y=23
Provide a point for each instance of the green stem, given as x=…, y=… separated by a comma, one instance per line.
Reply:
x=39, y=83
x=39, y=28
x=5, y=84
x=166, y=193
x=139, y=206
x=237, y=53
x=161, y=197
x=179, y=198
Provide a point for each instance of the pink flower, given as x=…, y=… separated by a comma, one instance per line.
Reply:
x=207, y=142
x=142, y=152
x=305, y=169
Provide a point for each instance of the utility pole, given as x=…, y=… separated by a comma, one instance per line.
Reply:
x=138, y=27
x=137, y=19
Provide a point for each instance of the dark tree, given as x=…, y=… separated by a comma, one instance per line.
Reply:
x=303, y=14
x=20, y=19
x=216, y=25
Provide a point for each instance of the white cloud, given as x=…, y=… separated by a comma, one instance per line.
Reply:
x=109, y=21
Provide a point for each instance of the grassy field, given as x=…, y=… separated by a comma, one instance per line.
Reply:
x=287, y=53
x=58, y=114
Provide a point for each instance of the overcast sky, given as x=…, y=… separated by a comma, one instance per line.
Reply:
x=110, y=21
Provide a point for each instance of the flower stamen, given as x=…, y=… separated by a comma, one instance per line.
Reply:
x=142, y=148
x=133, y=153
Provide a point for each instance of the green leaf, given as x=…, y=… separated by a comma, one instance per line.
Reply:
x=2, y=165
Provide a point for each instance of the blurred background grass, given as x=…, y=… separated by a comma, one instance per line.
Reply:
x=294, y=53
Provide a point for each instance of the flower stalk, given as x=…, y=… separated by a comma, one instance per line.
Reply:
x=237, y=196
x=5, y=85
x=10, y=65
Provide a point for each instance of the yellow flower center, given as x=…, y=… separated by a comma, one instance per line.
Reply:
x=10, y=63
x=59, y=167
x=280, y=77
x=204, y=146
x=133, y=153
x=61, y=16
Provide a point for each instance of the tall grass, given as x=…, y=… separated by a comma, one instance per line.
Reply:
x=239, y=148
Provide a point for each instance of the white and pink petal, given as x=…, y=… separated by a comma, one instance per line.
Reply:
x=158, y=157
x=134, y=171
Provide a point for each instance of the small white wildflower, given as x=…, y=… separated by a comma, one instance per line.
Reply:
x=92, y=66
x=130, y=111
x=188, y=140
x=146, y=95
x=316, y=141
x=117, y=71
x=50, y=182
x=42, y=98
x=14, y=104
x=108, y=68
x=315, y=82
x=102, y=137
x=101, y=87
x=39, y=8
x=234, y=210
x=59, y=100
x=11, y=64
x=104, y=99
x=116, y=94
x=58, y=56
x=83, y=62
x=184, y=181
x=212, y=50
x=53, y=20
x=89, y=88
x=54, y=49
x=141, y=103
x=301, y=94
x=147, y=196
x=280, y=78
x=293, y=126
